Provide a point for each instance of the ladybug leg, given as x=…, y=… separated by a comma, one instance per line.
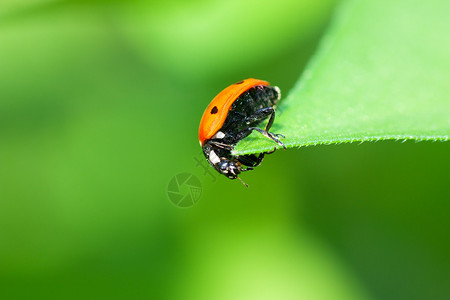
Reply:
x=268, y=135
x=247, y=169
x=269, y=124
x=271, y=119
x=260, y=115
x=251, y=160
x=270, y=152
x=221, y=145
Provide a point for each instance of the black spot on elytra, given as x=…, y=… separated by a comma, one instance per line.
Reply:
x=240, y=82
x=214, y=110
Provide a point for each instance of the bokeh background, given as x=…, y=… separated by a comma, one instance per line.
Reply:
x=99, y=109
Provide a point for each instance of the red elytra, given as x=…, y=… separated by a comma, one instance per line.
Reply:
x=217, y=111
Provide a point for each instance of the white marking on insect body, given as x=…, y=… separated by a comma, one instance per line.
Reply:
x=213, y=157
x=219, y=135
x=278, y=91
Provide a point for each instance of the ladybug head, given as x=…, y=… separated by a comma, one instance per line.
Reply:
x=228, y=168
x=222, y=160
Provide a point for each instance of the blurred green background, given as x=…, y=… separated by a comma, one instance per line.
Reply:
x=99, y=108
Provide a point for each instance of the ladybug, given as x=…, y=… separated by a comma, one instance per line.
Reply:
x=233, y=115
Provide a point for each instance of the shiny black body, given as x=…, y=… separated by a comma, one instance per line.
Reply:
x=248, y=111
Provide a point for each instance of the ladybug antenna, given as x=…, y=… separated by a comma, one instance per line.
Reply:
x=242, y=181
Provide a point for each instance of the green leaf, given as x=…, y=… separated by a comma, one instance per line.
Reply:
x=381, y=72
